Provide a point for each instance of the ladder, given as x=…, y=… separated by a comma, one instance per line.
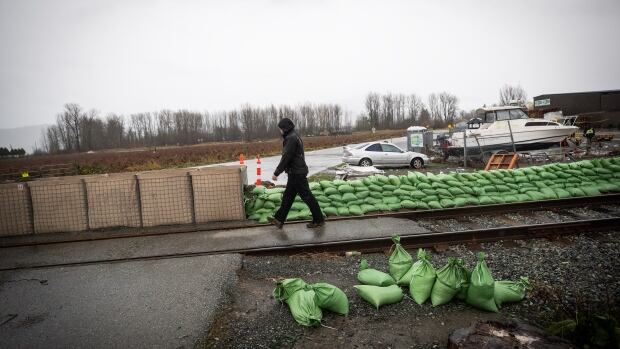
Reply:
x=504, y=160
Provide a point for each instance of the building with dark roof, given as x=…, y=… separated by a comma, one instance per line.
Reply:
x=598, y=108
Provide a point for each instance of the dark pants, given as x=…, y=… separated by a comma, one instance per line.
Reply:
x=298, y=185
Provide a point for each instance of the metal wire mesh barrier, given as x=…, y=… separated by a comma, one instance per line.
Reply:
x=217, y=196
x=145, y=199
x=166, y=198
x=59, y=205
x=112, y=201
x=15, y=209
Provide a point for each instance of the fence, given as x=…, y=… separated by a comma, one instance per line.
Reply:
x=147, y=199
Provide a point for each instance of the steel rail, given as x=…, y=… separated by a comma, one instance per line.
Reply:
x=380, y=244
x=47, y=239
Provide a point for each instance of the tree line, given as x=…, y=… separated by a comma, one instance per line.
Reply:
x=11, y=152
x=78, y=130
x=401, y=111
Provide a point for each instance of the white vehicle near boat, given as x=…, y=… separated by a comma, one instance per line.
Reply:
x=497, y=128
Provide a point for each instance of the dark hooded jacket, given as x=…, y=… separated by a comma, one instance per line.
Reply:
x=293, y=160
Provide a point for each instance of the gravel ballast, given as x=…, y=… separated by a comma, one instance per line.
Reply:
x=573, y=270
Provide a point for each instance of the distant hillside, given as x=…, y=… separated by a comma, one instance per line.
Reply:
x=22, y=137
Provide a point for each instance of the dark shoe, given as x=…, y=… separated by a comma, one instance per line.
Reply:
x=315, y=224
x=275, y=222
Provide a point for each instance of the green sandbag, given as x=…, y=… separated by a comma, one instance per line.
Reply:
x=355, y=210
x=390, y=200
x=348, y=197
x=304, y=308
x=292, y=215
x=331, y=298
x=456, y=191
x=330, y=211
x=400, y=260
x=382, y=179
x=447, y=284
x=330, y=191
x=408, y=188
x=275, y=197
x=315, y=186
x=369, y=276
x=345, y=188
x=446, y=203
x=376, y=195
x=430, y=198
x=444, y=193
x=368, y=208
x=326, y=184
x=421, y=205
x=395, y=206
x=258, y=204
x=394, y=180
x=254, y=216
x=297, y=206
x=335, y=197
x=422, y=278
x=356, y=183
x=408, y=204
x=382, y=207
x=375, y=188
x=562, y=193
x=389, y=187
x=434, y=205
x=339, y=182
x=429, y=192
x=535, y=195
x=277, y=190
x=259, y=189
x=362, y=194
x=481, y=289
x=460, y=202
x=502, y=188
x=343, y=211
x=378, y=296
x=464, y=276
x=264, y=218
x=510, y=291
x=485, y=200
x=285, y=288
x=321, y=198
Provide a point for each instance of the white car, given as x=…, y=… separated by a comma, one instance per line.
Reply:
x=382, y=154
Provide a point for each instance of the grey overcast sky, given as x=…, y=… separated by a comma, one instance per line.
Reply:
x=129, y=56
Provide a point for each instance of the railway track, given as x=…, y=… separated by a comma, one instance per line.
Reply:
x=408, y=214
x=366, y=245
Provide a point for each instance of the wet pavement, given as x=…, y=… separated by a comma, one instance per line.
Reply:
x=146, y=304
x=317, y=161
x=204, y=242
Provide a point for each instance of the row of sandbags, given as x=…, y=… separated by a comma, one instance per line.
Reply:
x=306, y=301
x=453, y=280
x=439, y=191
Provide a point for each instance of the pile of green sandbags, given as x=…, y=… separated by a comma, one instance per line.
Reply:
x=306, y=301
x=452, y=281
x=430, y=191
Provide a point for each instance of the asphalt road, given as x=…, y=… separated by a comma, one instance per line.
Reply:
x=147, y=304
x=317, y=161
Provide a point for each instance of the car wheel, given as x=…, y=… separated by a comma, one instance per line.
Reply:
x=365, y=162
x=417, y=163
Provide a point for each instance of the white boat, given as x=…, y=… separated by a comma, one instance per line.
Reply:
x=491, y=131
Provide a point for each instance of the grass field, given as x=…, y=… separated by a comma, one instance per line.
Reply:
x=144, y=159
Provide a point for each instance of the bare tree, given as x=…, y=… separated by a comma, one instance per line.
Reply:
x=447, y=106
x=414, y=107
x=373, y=106
x=433, y=107
x=512, y=94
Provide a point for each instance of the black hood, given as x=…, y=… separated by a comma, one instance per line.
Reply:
x=286, y=125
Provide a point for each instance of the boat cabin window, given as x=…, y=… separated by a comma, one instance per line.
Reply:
x=489, y=117
x=541, y=123
x=502, y=115
x=517, y=114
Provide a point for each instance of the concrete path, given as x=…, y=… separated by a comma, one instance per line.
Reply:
x=148, y=304
x=317, y=161
x=203, y=242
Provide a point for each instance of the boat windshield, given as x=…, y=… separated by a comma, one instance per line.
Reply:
x=517, y=114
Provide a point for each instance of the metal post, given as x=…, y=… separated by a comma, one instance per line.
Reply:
x=514, y=148
x=464, y=149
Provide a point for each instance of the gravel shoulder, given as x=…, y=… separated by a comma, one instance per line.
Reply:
x=574, y=271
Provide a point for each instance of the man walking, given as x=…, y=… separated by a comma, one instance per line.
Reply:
x=294, y=164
